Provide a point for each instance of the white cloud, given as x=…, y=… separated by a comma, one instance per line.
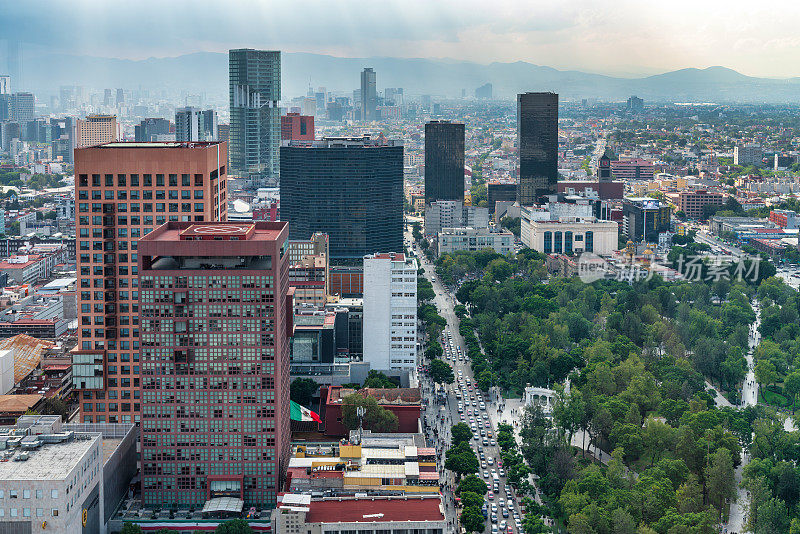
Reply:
x=757, y=38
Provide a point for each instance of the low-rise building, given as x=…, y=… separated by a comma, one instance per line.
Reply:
x=306, y=514
x=405, y=403
x=474, y=239
x=365, y=462
x=570, y=235
x=632, y=169
x=692, y=202
x=52, y=479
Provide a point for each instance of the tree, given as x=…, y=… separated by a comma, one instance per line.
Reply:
x=54, y=406
x=434, y=351
x=469, y=498
x=689, y=496
x=765, y=372
x=568, y=412
x=376, y=418
x=302, y=389
x=485, y=380
x=472, y=484
x=462, y=460
x=234, y=526
x=657, y=437
x=720, y=479
x=791, y=386
x=130, y=528
x=472, y=519
x=441, y=372
x=376, y=379
x=460, y=433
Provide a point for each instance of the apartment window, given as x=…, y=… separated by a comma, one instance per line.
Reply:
x=173, y=180
x=54, y=494
x=26, y=494
x=159, y=180
x=185, y=178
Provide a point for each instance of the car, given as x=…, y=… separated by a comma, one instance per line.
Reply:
x=501, y=472
x=510, y=530
x=502, y=525
x=494, y=508
x=485, y=442
x=494, y=520
x=494, y=530
x=490, y=495
x=483, y=465
x=490, y=460
x=485, y=474
x=492, y=442
x=486, y=424
x=501, y=503
x=505, y=512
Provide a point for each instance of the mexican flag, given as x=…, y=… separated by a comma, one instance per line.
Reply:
x=301, y=413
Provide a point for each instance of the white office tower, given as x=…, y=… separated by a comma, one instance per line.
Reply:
x=390, y=312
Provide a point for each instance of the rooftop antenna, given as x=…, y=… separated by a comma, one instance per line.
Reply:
x=361, y=411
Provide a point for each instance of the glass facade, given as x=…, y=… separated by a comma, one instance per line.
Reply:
x=351, y=191
x=537, y=137
x=255, y=121
x=444, y=161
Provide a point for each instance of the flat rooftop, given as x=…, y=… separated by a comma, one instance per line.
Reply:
x=377, y=509
x=163, y=144
x=49, y=462
x=216, y=231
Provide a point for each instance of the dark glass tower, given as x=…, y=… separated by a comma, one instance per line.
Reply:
x=537, y=138
x=369, y=95
x=444, y=161
x=255, y=132
x=350, y=189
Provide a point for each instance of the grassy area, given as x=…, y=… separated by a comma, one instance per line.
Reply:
x=772, y=396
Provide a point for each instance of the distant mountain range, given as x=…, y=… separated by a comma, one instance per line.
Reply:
x=208, y=72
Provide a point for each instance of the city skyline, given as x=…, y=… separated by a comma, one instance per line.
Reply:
x=628, y=39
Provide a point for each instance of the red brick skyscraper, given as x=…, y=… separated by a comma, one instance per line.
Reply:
x=122, y=192
x=216, y=315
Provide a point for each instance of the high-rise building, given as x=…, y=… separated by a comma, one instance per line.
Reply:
x=444, y=161
x=635, y=104
x=214, y=376
x=107, y=98
x=643, y=218
x=21, y=107
x=537, y=138
x=390, y=312
x=255, y=133
x=348, y=188
x=369, y=95
x=748, y=154
x=296, y=127
x=393, y=96
x=192, y=124
x=14, y=56
x=124, y=191
x=484, y=91
x=5, y=84
x=120, y=96
x=150, y=129
x=96, y=130
x=64, y=136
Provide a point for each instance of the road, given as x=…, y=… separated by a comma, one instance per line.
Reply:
x=465, y=387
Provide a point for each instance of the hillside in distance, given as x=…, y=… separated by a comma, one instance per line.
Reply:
x=207, y=72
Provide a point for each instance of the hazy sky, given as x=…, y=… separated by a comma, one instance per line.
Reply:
x=759, y=38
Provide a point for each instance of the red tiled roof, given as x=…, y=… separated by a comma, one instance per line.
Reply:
x=376, y=510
